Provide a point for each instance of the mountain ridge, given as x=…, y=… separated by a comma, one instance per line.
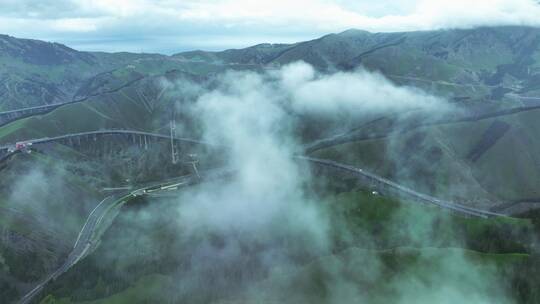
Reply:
x=501, y=59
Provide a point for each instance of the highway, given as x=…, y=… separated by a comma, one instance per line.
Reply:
x=12, y=115
x=42, y=107
x=402, y=190
x=89, y=233
x=441, y=82
x=80, y=249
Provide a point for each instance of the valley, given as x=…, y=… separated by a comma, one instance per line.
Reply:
x=354, y=167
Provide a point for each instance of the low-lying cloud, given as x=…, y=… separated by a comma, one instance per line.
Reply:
x=360, y=92
x=265, y=223
x=246, y=113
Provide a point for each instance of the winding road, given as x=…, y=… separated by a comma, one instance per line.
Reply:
x=406, y=192
x=403, y=191
x=80, y=249
x=351, y=135
x=89, y=234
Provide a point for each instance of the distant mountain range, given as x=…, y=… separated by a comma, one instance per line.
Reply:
x=482, y=63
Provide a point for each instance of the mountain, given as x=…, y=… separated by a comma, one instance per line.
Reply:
x=482, y=63
x=498, y=60
x=486, y=158
x=486, y=67
x=37, y=52
x=36, y=73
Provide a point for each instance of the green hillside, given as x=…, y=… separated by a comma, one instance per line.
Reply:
x=374, y=249
x=380, y=252
x=477, y=63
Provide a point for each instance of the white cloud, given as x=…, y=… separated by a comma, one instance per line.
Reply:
x=384, y=15
x=264, y=220
x=75, y=25
x=358, y=92
x=273, y=20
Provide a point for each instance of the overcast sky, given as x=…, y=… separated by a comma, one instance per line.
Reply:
x=169, y=26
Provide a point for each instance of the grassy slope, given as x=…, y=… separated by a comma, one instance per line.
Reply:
x=314, y=283
x=125, y=109
x=400, y=273
x=148, y=289
x=29, y=84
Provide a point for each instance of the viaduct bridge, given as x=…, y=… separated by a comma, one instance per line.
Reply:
x=140, y=137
